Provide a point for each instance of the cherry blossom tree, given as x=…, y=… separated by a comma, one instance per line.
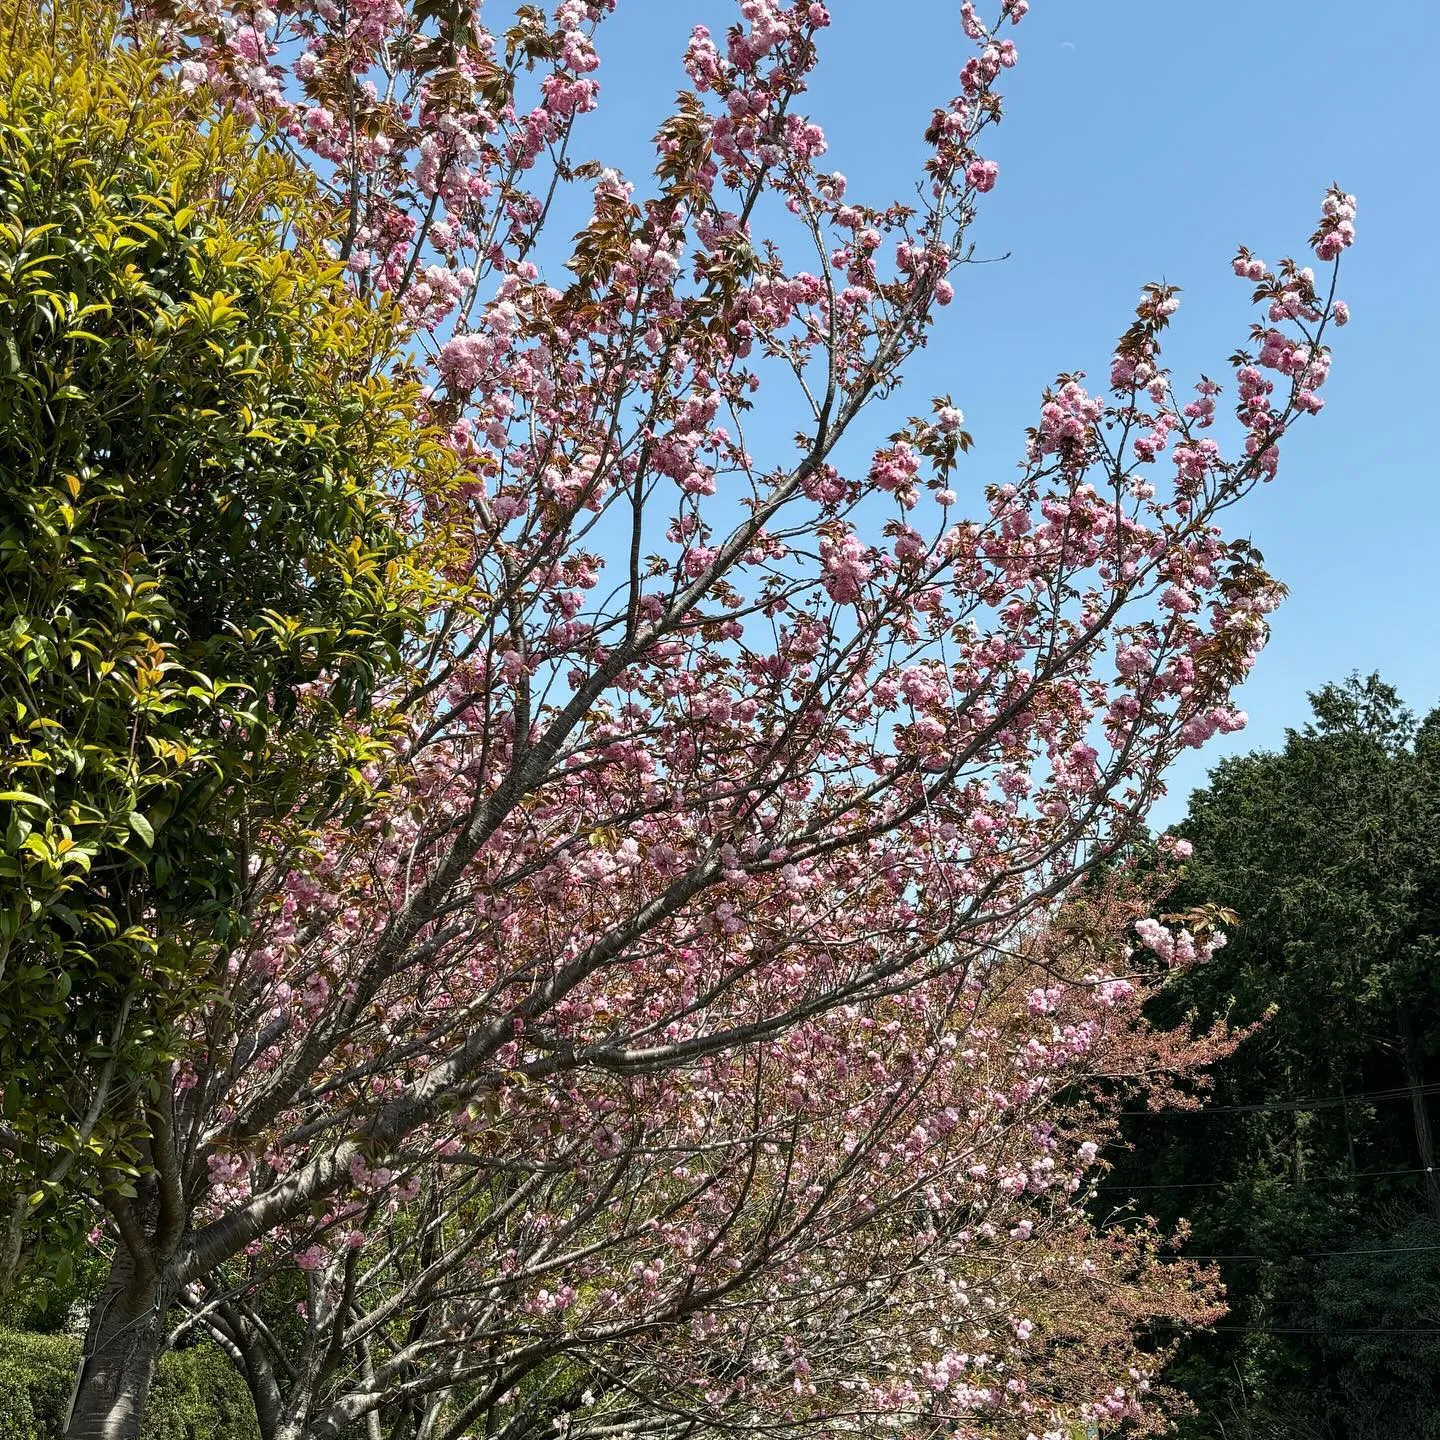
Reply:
x=699, y=1031
x=875, y=1217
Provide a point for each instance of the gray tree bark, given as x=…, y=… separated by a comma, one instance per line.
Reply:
x=122, y=1348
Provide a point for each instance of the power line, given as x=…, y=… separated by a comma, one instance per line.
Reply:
x=1320, y=1330
x=1319, y=1254
x=1320, y=1102
x=1311, y=1329
x=1228, y=1184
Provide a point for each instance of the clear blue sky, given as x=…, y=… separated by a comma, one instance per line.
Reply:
x=1145, y=139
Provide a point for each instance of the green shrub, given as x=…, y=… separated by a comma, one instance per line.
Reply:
x=198, y=1394
x=36, y=1373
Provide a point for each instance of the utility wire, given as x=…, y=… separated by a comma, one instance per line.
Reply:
x=1318, y=1330
x=1320, y=1254
x=1226, y=1184
x=1321, y=1102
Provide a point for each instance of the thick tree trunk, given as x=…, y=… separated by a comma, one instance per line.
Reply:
x=126, y=1335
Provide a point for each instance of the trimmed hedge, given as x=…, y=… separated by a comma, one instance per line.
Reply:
x=198, y=1394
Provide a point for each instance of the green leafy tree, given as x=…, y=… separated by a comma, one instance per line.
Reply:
x=1317, y=1148
x=203, y=453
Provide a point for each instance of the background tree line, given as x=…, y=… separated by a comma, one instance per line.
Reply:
x=1311, y=1169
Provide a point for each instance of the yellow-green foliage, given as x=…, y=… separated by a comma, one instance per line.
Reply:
x=201, y=568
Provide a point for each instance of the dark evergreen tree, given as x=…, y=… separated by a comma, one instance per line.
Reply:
x=1312, y=1170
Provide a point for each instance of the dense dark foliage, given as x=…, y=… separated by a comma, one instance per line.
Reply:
x=1311, y=1173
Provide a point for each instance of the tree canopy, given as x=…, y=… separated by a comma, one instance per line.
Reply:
x=200, y=561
